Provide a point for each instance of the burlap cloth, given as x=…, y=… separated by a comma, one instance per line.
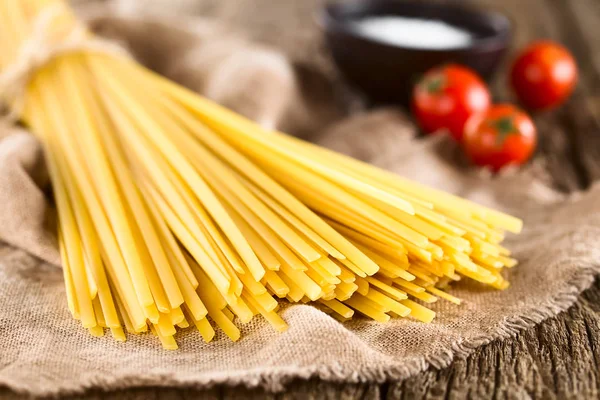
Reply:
x=43, y=351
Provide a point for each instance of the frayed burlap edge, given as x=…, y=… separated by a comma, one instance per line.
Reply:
x=275, y=379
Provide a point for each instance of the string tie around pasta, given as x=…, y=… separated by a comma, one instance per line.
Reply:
x=41, y=48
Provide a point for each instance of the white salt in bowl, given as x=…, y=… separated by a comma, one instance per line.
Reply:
x=382, y=47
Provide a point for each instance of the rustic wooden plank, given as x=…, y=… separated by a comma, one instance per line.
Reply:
x=557, y=359
x=579, y=27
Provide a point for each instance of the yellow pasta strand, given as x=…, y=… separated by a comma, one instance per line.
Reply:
x=174, y=211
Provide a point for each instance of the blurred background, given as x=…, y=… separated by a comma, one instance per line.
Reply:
x=320, y=96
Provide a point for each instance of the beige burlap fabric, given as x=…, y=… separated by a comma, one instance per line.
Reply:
x=43, y=351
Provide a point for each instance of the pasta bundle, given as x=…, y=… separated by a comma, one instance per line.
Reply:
x=174, y=211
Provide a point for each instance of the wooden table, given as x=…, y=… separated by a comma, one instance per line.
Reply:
x=559, y=358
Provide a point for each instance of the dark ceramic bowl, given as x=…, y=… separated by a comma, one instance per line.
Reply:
x=386, y=72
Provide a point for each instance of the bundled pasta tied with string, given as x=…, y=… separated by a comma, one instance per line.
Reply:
x=174, y=211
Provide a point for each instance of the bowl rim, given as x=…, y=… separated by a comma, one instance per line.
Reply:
x=502, y=24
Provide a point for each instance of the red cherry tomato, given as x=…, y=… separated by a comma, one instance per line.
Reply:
x=446, y=97
x=500, y=136
x=544, y=75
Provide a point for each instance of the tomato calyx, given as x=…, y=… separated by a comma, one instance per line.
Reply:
x=434, y=84
x=505, y=127
x=502, y=136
